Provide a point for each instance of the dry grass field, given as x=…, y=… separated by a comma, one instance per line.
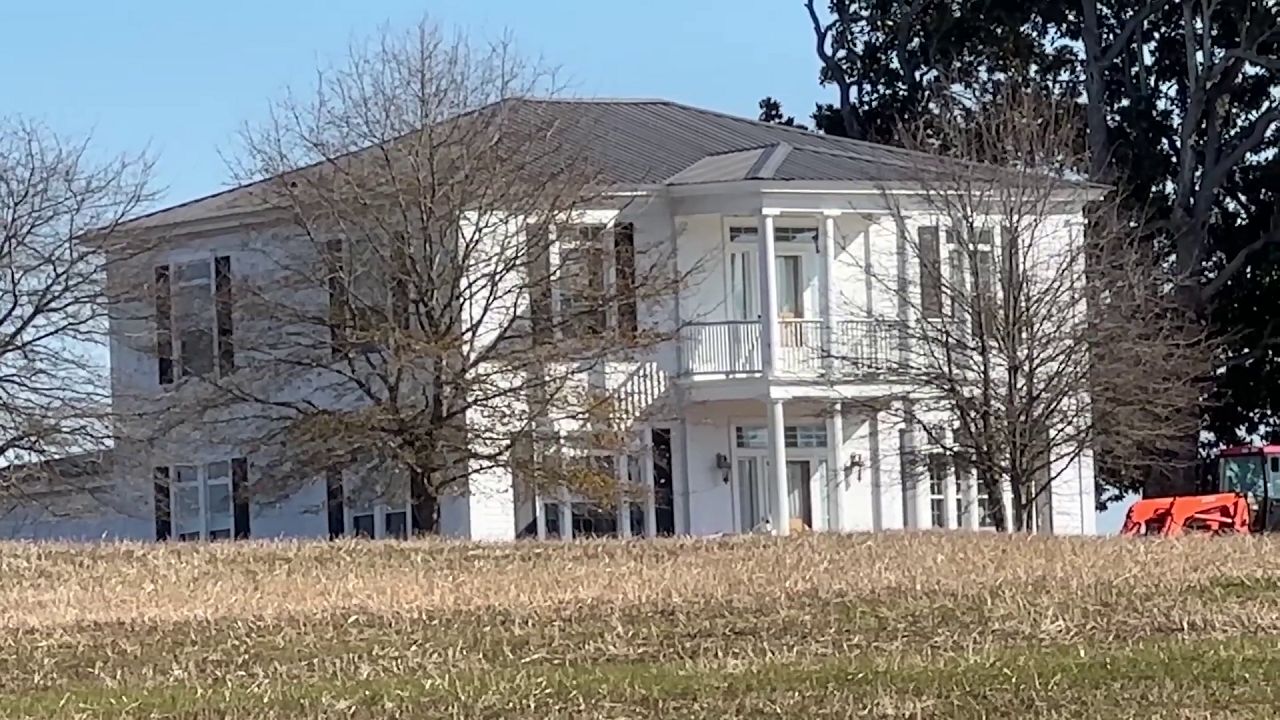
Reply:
x=889, y=626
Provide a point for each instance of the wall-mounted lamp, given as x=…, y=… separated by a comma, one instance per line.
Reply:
x=854, y=466
x=723, y=465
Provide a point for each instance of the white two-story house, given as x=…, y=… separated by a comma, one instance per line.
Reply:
x=775, y=408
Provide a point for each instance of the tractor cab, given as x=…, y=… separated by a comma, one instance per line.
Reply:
x=1253, y=472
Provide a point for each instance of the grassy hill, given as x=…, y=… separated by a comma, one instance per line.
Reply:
x=891, y=626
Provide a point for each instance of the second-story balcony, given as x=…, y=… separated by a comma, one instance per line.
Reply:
x=732, y=348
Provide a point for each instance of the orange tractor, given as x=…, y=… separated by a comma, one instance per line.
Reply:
x=1245, y=499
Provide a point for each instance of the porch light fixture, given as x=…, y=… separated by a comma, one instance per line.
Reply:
x=723, y=465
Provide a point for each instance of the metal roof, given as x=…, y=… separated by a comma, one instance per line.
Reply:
x=657, y=142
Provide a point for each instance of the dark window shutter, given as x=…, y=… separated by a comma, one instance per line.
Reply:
x=240, y=496
x=539, y=271
x=624, y=251
x=164, y=521
x=222, y=296
x=1010, y=261
x=337, y=297
x=335, y=498
x=164, y=326
x=930, y=273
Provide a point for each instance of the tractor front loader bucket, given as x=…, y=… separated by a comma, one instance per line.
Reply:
x=1172, y=516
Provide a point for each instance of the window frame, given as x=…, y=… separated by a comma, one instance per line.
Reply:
x=378, y=509
x=171, y=368
x=201, y=485
x=756, y=437
x=592, y=253
x=609, y=248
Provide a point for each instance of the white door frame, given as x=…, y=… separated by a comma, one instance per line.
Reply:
x=817, y=457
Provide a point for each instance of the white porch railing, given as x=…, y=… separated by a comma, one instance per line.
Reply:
x=732, y=348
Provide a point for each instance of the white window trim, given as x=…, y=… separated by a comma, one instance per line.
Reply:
x=201, y=484
x=810, y=267
x=378, y=508
x=173, y=261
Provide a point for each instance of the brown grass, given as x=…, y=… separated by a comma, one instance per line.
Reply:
x=906, y=625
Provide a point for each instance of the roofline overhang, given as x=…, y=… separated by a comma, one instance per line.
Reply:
x=1082, y=193
x=237, y=219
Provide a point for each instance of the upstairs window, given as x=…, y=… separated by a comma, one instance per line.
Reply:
x=581, y=279
x=368, y=296
x=930, y=252
x=596, y=278
x=194, y=319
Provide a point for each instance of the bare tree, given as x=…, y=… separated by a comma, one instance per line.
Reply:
x=438, y=285
x=1014, y=371
x=61, y=209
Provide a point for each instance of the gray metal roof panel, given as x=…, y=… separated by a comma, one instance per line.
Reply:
x=647, y=142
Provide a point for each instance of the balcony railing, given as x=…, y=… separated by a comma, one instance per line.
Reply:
x=733, y=347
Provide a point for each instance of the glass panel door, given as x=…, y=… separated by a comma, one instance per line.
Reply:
x=753, y=509
x=791, y=289
x=801, y=506
x=744, y=282
x=790, y=286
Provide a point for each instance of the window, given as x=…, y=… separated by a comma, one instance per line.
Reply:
x=793, y=233
x=588, y=291
x=790, y=286
x=203, y=502
x=745, y=234
x=806, y=436
x=744, y=279
x=369, y=499
x=930, y=273
x=364, y=295
x=794, y=436
x=581, y=280
x=194, y=319
x=986, y=507
x=939, y=475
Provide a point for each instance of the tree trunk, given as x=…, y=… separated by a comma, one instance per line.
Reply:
x=425, y=505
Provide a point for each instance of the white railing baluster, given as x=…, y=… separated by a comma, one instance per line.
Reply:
x=733, y=347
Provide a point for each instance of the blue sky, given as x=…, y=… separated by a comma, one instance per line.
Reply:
x=179, y=77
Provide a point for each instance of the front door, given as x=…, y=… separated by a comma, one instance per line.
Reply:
x=799, y=498
x=753, y=493
x=755, y=498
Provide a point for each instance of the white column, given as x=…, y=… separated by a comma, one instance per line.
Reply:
x=650, y=495
x=540, y=515
x=780, y=516
x=769, y=330
x=950, y=496
x=566, y=515
x=620, y=474
x=913, y=474
x=835, y=469
x=1006, y=499
x=969, y=487
x=830, y=300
